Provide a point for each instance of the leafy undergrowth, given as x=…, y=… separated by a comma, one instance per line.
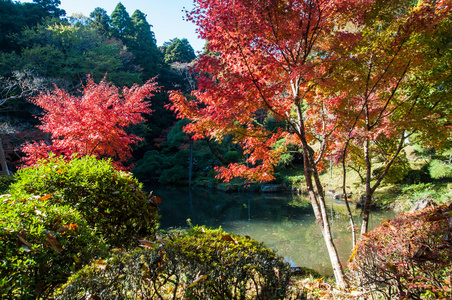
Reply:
x=312, y=287
x=409, y=257
x=404, y=197
x=197, y=264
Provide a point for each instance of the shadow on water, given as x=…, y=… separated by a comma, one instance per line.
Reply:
x=284, y=222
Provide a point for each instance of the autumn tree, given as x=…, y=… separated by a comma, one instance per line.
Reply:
x=264, y=60
x=394, y=93
x=93, y=124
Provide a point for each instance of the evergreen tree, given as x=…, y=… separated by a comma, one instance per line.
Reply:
x=121, y=22
x=143, y=45
x=178, y=51
x=100, y=21
x=15, y=16
x=64, y=52
x=50, y=7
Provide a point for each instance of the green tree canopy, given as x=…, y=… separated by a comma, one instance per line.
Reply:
x=50, y=7
x=121, y=22
x=15, y=16
x=68, y=53
x=178, y=50
x=144, y=46
x=100, y=21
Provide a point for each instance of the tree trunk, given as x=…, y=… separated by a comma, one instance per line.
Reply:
x=328, y=237
x=3, y=163
x=368, y=200
x=190, y=164
x=344, y=191
x=318, y=204
x=371, y=189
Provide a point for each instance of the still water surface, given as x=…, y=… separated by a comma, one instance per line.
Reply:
x=284, y=221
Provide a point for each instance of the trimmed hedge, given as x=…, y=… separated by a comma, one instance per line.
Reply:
x=5, y=182
x=111, y=201
x=199, y=264
x=41, y=245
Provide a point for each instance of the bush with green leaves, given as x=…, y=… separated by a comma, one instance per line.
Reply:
x=199, y=264
x=111, y=201
x=41, y=245
x=5, y=182
x=152, y=166
x=440, y=169
x=409, y=257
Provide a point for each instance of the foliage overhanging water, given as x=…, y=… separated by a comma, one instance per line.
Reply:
x=282, y=221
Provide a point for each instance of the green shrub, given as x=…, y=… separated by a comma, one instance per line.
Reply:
x=418, y=176
x=5, y=182
x=151, y=166
x=200, y=264
x=176, y=174
x=111, y=201
x=440, y=169
x=232, y=157
x=409, y=257
x=41, y=245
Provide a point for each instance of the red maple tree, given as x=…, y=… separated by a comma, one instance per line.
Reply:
x=271, y=60
x=264, y=62
x=92, y=124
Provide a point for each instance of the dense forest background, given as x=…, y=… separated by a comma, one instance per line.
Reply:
x=41, y=47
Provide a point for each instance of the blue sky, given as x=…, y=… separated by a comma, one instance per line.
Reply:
x=165, y=16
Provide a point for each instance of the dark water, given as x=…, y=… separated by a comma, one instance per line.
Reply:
x=284, y=222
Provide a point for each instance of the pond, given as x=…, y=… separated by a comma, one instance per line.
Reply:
x=282, y=221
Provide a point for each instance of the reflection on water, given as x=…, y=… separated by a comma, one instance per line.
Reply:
x=284, y=222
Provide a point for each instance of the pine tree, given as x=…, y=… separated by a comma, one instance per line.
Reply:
x=143, y=45
x=178, y=51
x=100, y=21
x=121, y=22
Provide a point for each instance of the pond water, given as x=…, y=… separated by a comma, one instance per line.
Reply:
x=282, y=221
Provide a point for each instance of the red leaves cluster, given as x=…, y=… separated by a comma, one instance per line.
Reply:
x=92, y=124
x=264, y=61
x=332, y=70
x=410, y=254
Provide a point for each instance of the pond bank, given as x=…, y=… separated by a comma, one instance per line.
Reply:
x=283, y=221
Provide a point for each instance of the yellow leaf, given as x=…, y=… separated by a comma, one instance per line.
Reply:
x=352, y=257
x=198, y=280
x=391, y=267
